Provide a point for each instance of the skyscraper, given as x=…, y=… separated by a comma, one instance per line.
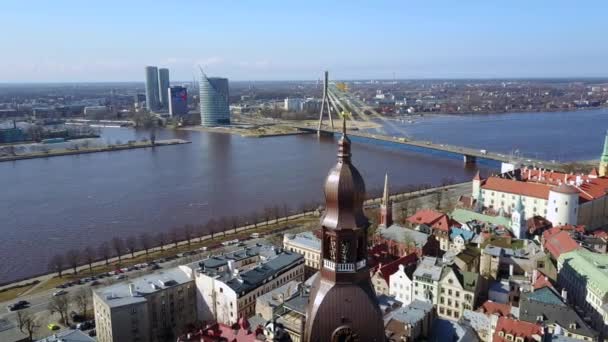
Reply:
x=152, y=95
x=178, y=101
x=163, y=86
x=342, y=304
x=214, y=101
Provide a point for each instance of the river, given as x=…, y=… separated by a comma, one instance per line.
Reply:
x=69, y=202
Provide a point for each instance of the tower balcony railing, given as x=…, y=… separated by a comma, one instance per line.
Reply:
x=340, y=267
x=361, y=264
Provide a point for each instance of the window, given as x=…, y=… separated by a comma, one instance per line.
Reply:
x=221, y=290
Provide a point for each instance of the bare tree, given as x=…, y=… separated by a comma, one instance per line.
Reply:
x=104, y=251
x=161, y=240
x=201, y=231
x=131, y=244
x=224, y=225
x=404, y=207
x=27, y=323
x=267, y=215
x=119, y=247
x=72, y=256
x=438, y=198
x=145, y=241
x=60, y=305
x=188, y=233
x=286, y=211
x=174, y=236
x=81, y=298
x=210, y=226
x=254, y=219
x=234, y=222
x=56, y=264
x=88, y=254
x=276, y=212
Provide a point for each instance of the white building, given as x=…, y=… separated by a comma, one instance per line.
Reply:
x=307, y=244
x=559, y=197
x=227, y=292
x=293, y=104
x=426, y=280
x=148, y=308
x=402, y=286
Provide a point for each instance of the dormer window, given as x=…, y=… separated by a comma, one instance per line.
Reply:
x=539, y=318
x=573, y=325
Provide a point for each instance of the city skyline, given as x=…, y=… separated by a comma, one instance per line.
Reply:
x=271, y=41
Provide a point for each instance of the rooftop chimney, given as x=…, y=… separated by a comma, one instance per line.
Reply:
x=132, y=290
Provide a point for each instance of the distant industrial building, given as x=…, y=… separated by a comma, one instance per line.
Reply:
x=152, y=89
x=163, y=86
x=93, y=111
x=178, y=101
x=293, y=104
x=214, y=101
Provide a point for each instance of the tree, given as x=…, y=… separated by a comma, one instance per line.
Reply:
x=119, y=247
x=286, y=211
x=234, y=222
x=224, y=225
x=104, y=251
x=81, y=298
x=60, y=305
x=174, y=236
x=56, y=264
x=131, y=244
x=201, y=231
x=254, y=219
x=161, y=240
x=146, y=242
x=211, y=227
x=72, y=256
x=267, y=215
x=437, y=199
x=188, y=233
x=27, y=323
x=404, y=207
x=88, y=253
x=276, y=212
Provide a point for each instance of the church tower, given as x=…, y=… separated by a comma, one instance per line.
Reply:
x=386, y=207
x=519, y=224
x=342, y=305
x=604, y=159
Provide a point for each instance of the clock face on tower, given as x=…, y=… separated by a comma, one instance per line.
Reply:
x=344, y=334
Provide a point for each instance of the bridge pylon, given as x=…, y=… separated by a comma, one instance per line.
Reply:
x=325, y=104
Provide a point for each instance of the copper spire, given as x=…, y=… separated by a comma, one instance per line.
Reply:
x=344, y=144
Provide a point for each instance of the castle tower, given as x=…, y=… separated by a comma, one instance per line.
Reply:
x=603, y=169
x=386, y=207
x=562, y=205
x=519, y=225
x=476, y=186
x=342, y=305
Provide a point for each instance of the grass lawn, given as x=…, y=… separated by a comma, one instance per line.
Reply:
x=14, y=292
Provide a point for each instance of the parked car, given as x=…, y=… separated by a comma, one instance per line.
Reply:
x=53, y=326
x=120, y=276
x=85, y=325
x=93, y=333
x=59, y=293
x=94, y=283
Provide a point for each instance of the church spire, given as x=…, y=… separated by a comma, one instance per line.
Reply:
x=386, y=207
x=603, y=169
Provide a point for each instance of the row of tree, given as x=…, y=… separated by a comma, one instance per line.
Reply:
x=118, y=247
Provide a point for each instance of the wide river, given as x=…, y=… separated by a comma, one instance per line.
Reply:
x=48, y=206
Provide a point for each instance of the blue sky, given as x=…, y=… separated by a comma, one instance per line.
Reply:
x=62, y=40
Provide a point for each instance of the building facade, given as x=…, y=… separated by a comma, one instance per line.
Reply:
x=214, y=101
x=178, y=101
x=227, y=293
x=401, y=285
x=307, y=244
x=163, y=88
x=458, y=291
x=155, y=307
x=152, y=88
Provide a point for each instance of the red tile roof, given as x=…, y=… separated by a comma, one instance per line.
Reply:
x=541, y=281
x=558, y=241
x=537, y=222
x=389, y=269
x=516, y=328
x=223, y=332
x=493, y=308
x=433, y=219
x=536, y=183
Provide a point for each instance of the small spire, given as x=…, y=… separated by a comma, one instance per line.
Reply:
x=343, y=123
x=477, y=176
x=385, y=197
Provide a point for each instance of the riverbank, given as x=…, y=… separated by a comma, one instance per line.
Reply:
x=250, y=130
x=109, y=148
x=276, y=225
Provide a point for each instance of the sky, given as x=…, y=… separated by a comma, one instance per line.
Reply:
x=109, y=40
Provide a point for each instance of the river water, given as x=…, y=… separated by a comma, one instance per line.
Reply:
x=51, y=205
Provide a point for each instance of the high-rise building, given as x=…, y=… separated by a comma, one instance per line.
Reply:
x=163, y=86
x=214, y=101
x=178, y=101
x=152, y=94
x=342, y=304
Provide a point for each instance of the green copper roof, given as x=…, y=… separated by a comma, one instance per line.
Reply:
x=545, y=295
x=605, y=152
x=591, y=266
x=463, y=216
